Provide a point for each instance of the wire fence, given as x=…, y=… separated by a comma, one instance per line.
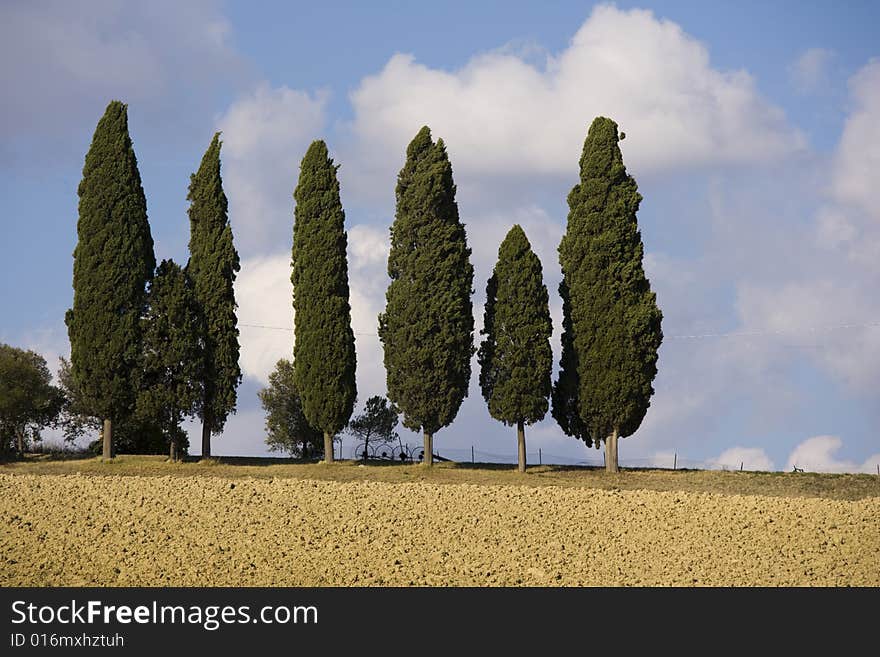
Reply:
x=410, y=452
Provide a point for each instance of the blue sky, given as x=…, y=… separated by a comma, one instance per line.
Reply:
x=752, y=130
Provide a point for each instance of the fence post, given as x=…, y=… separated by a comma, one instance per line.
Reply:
x=740, y=466
x=674, y=460
x=472, y=454
x=540, y=462
x=878, y=469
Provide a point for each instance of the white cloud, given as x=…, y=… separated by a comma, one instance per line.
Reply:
x=828, y=276
x=167, y=58
x=809, y=72
x=749, y=458
x=858, y=154
x=501, y=115
x=816, y=454
x=265, y=299
x=265, y=136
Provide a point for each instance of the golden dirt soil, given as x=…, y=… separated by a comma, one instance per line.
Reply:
x=69, y=530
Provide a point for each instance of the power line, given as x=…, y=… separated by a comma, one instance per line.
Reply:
x=741, y=334
x=733, y=334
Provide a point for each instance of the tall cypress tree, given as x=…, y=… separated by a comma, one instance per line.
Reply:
x=427, y=327
x=614, y=318
x=213, y=264
x=113, y=262
x=324, y=357
x=172, y=368
x=515, y=358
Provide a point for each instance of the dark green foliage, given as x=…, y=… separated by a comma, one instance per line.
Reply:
x=614, y=323
x=28, y=400
x=131, y=434
x=287, y=428
x=324, y=355
x=515, y=357
x=170, y=386
x=377, y=423
x=427, y=327
x=113, y=262
x=212, y=267
x=565, y=390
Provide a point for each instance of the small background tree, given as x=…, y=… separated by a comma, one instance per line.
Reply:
x=516, y=359
x=376, y=423
x=131, y=434
x=287, y=428
x=29, y=402
x=170, y=386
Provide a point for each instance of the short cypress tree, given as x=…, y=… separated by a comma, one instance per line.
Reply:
x=428, y=324
x=324, y=357
x=515, y=358
x=113, y=262
x=615, y=321
x=172, y=366
x=213, y=265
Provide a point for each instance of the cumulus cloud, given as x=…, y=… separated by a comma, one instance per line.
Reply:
x=831, y=271
x=809, y=72
x=501, y=115
x=171, y=60
x=749, y=458
x=858, y=155
x=817, y=454
x=265, y=134
x=265, y=299
x=265, y=309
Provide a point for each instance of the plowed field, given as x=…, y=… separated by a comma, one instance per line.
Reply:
x=63, y=530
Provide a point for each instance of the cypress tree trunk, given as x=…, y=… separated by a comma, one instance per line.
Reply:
x=206, y=435
x=173, y=454
x=611, y=452
x=108, y=438
x=429, y=449
x=328, y=447
x=521, y=442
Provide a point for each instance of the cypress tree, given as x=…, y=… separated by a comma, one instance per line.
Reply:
x=212, y=267
x=614, y=319
x=565, y=390
x=427, y=327
x=515, y=358
x=113, y=261
x=324, y=358
x=172, y=367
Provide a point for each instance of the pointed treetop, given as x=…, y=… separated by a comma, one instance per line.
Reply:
x=601, y=153
x=317, y=156
x=420, y=143
x=116, y=110
x=515, y=239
